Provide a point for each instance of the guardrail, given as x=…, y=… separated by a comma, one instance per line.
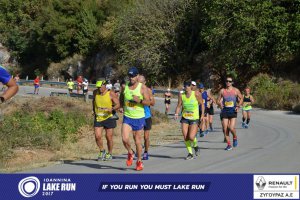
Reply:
x=21, y=82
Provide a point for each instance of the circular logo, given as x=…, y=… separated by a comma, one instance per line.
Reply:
x=30, y=186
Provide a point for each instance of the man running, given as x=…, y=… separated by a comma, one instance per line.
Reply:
x=36, y=83
x=205, y=122
x=12, y=87
x=79, y=83
x=248, y=100
x=210, y=104
x=70, y=85
x=229, y=111
x=148, y=119
x=133, y=99
x=102, y=107
x=168, y=96
x=189, y=100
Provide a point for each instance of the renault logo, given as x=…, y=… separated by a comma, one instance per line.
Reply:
x=260, y=183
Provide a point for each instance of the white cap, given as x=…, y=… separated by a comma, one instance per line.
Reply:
x=194, y=83
x=169, y=89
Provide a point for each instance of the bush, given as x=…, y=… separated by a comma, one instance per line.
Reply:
x=39, y=129
x=272, y=93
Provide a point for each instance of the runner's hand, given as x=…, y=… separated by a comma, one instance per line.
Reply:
x=121, y=110
x=136, y=99
x=175, y=116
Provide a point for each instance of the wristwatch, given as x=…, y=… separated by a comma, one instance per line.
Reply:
x=2, y=99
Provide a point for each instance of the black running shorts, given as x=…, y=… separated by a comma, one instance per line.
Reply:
x=148, y=125
x=106, y=124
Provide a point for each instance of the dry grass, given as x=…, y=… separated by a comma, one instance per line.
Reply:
x=163, y=132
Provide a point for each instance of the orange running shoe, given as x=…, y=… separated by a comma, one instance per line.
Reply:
x=129, y=159
x=139, y=166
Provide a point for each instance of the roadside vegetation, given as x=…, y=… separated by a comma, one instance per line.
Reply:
x=275, y=93
x=38, y=131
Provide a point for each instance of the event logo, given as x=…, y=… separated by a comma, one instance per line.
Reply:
x=29, y=187
x=261, y=183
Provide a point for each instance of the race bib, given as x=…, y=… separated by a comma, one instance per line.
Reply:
x=188, y=115
x=131, y=105
x=203, y=101
x=229, y=104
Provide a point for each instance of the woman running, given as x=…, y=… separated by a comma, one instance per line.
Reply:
x=168, y=96
x=248, y=101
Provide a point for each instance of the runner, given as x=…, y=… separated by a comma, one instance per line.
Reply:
x=248, y=100
x=190, y=100
x=70, y=84
x=205, y=122
x=133, y=99
x=36, y=84
x=148, y=119
x=168, y=96
x=12, y=87
x=79, y=83
x=210, y=104
x=85, y=85
x=102, y=108
x=229, y=110
x=117, y=87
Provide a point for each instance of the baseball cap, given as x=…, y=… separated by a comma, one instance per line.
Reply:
x=200, y=85
x=133, y=71
x=194, y=83
x=187, y=83
x=100, y=83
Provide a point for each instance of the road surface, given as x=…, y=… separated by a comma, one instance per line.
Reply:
x=270, y=145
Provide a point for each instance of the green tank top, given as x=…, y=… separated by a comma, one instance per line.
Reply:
x=190, y=107
x=131, y=108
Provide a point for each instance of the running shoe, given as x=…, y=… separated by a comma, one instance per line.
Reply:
x=211, y=129
x=101, y=155
x=129, y=159
x=206, y=132
x=197, y=150
x=108, y=157
x=145, y=156
x=139, y=166
x=201, y=134
x=228, y=148
x=235, y=142
x=190, y=157
x=246, y=126
x=243, y=124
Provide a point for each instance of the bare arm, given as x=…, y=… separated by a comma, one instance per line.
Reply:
x=219, y=99
x=12, y=89
x=152, y=100
x=240, y=96
x=252, y=99
x=145, y=93
x=121, y=99
x=115, y=100
x=93, y=102
x=179, y=105
x=200, y=101
x=212, y=97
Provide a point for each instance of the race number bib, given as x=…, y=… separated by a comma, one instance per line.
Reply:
x=188, y=115
x=131, y=105
x=229, y=104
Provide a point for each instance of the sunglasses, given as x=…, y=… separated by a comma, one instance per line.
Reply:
x=228, y=81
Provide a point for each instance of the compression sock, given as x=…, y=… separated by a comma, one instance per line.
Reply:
x=243, y=119
x=188, y=146
x=248, y=120
x=195, y=142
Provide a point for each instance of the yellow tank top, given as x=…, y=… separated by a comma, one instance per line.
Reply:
x=132, y=109
x=190, y=107
x=102, y=104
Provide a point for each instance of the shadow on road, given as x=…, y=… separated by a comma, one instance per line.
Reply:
x=164, y=156
x=95, y=166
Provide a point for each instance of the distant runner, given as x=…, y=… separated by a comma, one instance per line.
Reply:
x=85, y=85
x=229, y=110
x=168, y=96
x=79, y=83
x=247, y=107
x=102, y=107
x=70, y=85
x=190, y=100
x=36, y=83
x=133, y=99
x=148, y=119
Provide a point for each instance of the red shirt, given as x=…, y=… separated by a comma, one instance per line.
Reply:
x=36, y=81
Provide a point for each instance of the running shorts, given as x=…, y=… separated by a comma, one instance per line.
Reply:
x=188, y=121
x=148, y=124
x=136, y=124
x=228, y=115
x=106, y=124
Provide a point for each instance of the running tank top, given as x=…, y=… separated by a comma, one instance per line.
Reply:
x=190, y=107
x=205, y=99
x=229, y=100
x=102, y=103
x=167, y=98
x=147, y=112
x=131, y=108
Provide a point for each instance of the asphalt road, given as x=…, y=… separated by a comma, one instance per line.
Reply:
x=270, y=145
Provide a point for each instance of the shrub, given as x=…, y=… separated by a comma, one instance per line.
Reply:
x=272, y=93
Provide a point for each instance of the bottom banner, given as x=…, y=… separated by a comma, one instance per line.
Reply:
x=148, y=186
